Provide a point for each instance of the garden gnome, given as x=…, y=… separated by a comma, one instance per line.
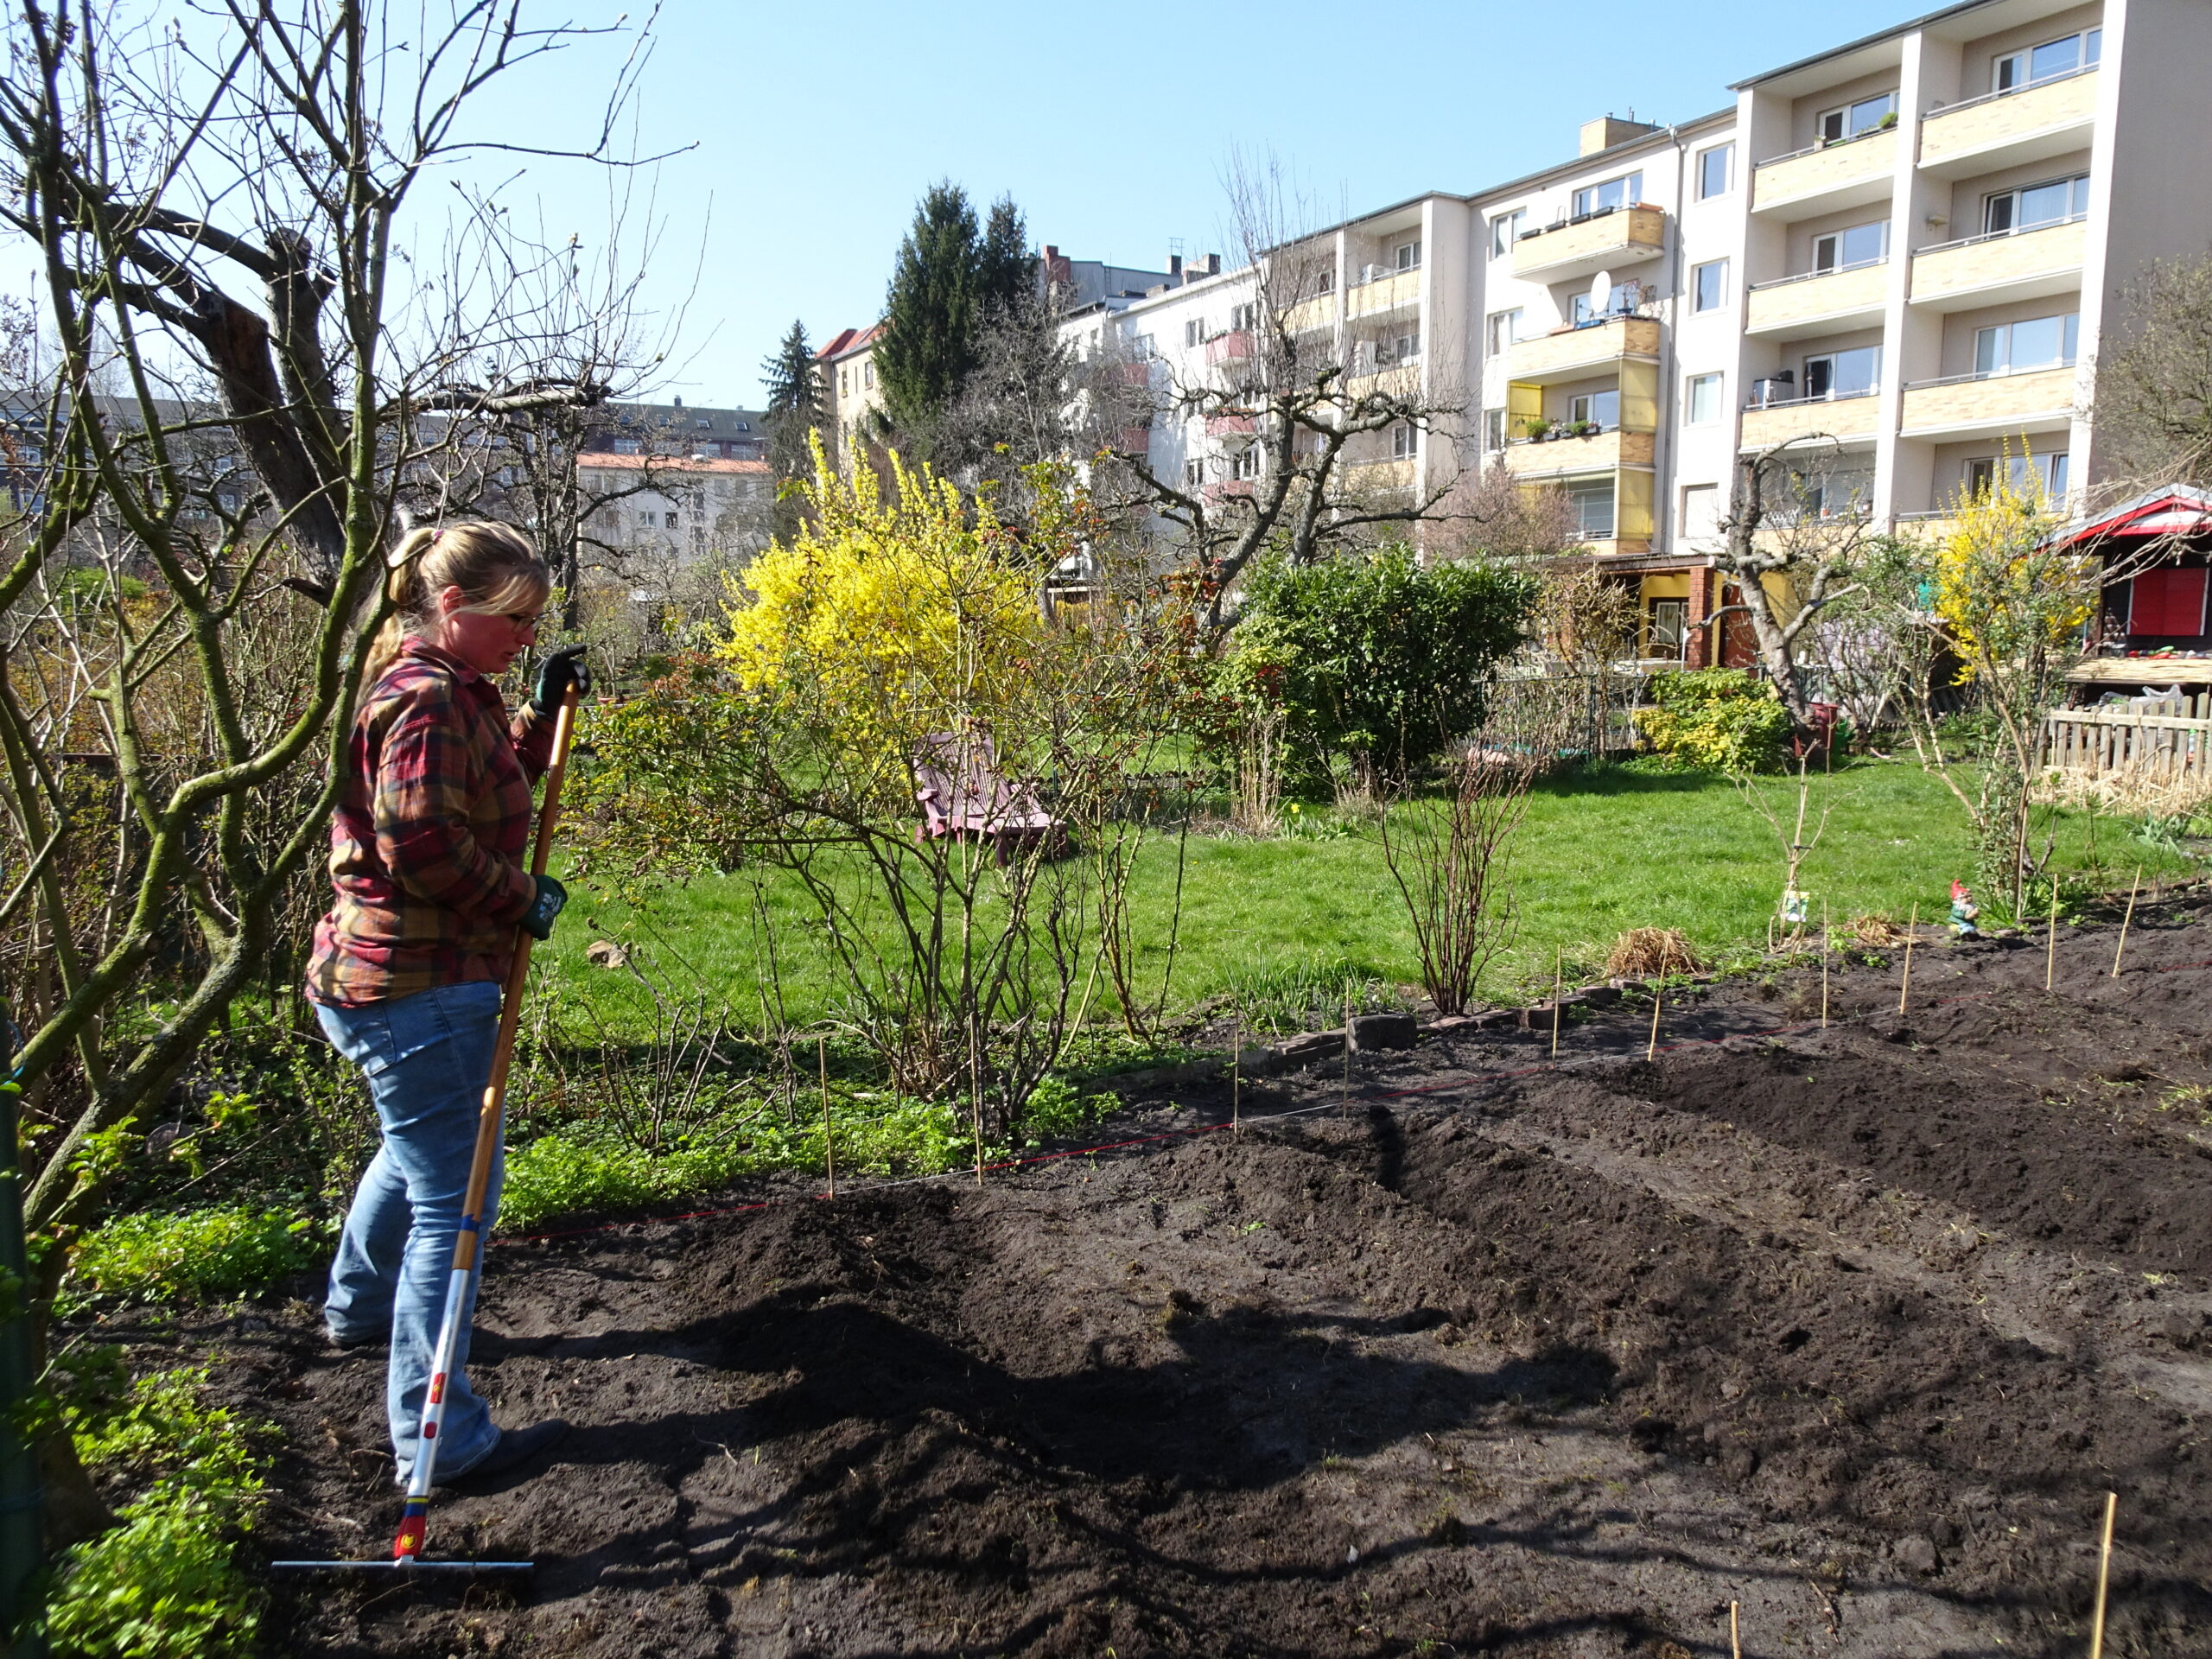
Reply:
x=1964, y=912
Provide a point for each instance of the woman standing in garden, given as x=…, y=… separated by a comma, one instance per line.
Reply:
x=428, y=852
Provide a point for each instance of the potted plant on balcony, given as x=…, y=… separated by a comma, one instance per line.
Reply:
x=1536, y=429
x=1583, y=428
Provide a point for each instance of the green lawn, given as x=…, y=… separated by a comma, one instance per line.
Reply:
x=1600, y=852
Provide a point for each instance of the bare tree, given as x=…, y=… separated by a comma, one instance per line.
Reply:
x=1799, y=514
x=1304, y=402
x=2154, y=388
x=223, y=216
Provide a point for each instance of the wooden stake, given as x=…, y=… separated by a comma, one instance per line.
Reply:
x=1236, y=1076
x=2126, y=920
x=1652, y=1048
x=2051, y=945
x=1343, y=1107
x=1559, y=979
x=1911, y=929
x=1826, y=940
x=976, y=1096
x=828, y=1156
x=1735, y=1640
x=2104, y=1578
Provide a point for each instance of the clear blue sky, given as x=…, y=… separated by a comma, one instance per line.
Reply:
x=818, y=125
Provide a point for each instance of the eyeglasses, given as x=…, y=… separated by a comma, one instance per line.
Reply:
x=526, y=619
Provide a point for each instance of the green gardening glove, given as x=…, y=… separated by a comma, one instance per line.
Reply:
x=555, y=674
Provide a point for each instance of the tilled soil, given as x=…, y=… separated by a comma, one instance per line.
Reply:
x=1853, y=1326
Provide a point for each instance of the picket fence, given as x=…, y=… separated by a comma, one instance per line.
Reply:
x=2164, y=742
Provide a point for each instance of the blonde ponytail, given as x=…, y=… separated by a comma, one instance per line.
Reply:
x=493, y=565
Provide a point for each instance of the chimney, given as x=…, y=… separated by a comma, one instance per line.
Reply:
x=679, y=401
x=1213, y=264
x=1175, y=267
x=1608, y=130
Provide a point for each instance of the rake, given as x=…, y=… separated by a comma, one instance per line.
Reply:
x=414, y=1520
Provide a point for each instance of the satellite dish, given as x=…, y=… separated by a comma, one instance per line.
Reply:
x=1601, y=293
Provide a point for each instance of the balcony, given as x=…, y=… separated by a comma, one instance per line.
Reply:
x=1855, y=416
x=1602, y=241
x=1319, y=312
x=1235, y=346
x=1578, y=354
x=2000, y=405
x=1819, y=302
x=1828, y=176
x=1395, y=291
x=1229, y=426
x=1930, y=529
x=2009, y=128
x=1561, y=457
x=1978, y=270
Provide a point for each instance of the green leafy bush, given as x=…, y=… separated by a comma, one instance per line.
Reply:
x=224, y=1250
x=1382, y=659
x=163, y=1585
x=1713, y=720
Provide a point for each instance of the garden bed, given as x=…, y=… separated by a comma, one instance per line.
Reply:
x=1854, y=1327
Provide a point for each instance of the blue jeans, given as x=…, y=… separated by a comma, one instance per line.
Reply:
x=426, y=1058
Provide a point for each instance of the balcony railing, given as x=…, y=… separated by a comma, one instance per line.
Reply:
x=2042, y=118
x=1819, y=147
x=2013, y=92
x=1987, y=374
x=1233, y=346
x=1810, y=275
x=2001, y=236
x=1812, y=397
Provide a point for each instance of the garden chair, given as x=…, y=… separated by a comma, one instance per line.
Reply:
x=961, y=794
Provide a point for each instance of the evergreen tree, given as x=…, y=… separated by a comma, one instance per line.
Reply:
x=929, y=313
x=794, y=410
x=1005, y=271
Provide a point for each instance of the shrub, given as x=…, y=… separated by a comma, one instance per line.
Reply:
x=1382, y=659
x=162, y=1584
x=225, y=1251
x=1713, y=720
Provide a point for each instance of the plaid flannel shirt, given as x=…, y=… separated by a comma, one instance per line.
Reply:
x=427, y=850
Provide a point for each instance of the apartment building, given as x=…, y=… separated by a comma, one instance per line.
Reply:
x=1909, y=244
x=851, y=399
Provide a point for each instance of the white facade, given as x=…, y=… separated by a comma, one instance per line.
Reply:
x=1908, y=245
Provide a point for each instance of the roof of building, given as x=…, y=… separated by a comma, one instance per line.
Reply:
x=2171, y=510
x=848, y=341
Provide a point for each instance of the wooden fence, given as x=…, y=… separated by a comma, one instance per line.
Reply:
x=2165, y=742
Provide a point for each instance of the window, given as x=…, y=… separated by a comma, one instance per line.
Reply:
x=1493, y=429
x=2036, y=343
x=1670, y=628
x=867, y=374
x=1504, y=327
x=1602, y=408
x=1703, y=406
x=1505, y=230
x=1325, y=280
x=1847, y=250
x=1700, y=511
x=1844, y=374
x=625, y=446
x=671, y=521
x=1407, y=254
x=745, y=426
x=844, y=383
x=1245, y=462
x=1405, y=441
x=1622, y=299
x=1243, y=317
x=1713, y=168
x=1709, y=285
x=2036, y=205
x=645, y=520
x=1867, y=115
x=2047, y=62
x=1194, y=332
x=1194, y=473
x=228, y=501
x=2168, y=603
x=1590, y=501
x=1142, y=348
x=1624, y=191
x=702, y=425
x=1824, y=495
x=1404, y=348
x=2025, y=475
